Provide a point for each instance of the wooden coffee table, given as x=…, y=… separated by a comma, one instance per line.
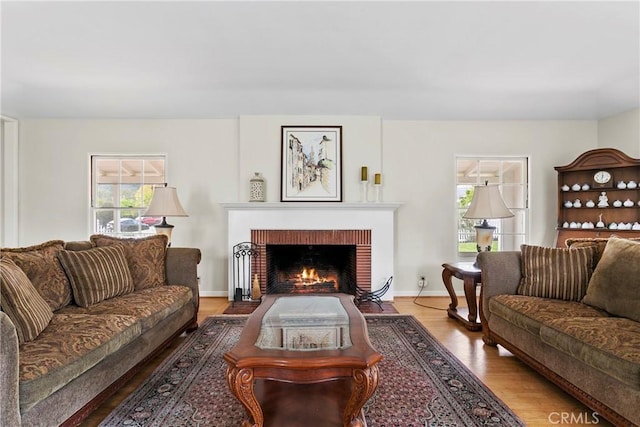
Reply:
x=309, y=349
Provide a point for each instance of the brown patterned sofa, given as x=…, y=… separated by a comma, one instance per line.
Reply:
x=573, y=315
x=79, y=319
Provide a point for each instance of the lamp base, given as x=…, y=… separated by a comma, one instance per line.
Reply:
x=166, y=229
x=484, y=236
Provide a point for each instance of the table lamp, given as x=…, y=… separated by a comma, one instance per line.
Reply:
x=165, y=203
x=487, y=203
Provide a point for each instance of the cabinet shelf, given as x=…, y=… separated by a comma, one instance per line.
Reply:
x=581, y=171
x=598, y=190
x=602, y=209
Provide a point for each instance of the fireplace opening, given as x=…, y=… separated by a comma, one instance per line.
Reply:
x=311, y=268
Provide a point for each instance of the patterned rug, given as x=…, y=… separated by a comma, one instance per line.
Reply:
x=421, y=382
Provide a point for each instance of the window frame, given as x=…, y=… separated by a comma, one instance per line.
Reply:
x=94, y=226
x=9, y=181
x=521, y=228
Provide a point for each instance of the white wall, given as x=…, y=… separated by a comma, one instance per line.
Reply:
x=202, y=164
x=260, y=150
x=211, y=162
x=419, y=158
x=622, y=132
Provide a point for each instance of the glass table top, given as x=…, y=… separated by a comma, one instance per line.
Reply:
x=305, y=323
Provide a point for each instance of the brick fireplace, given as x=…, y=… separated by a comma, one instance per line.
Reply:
x=342, y=255
x=368, y=227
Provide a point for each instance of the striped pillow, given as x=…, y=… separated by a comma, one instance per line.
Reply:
x=145, y=257
x=40, y=264
x=556, y=273
x=599, y=242
x=97, y=274
x=20, y=300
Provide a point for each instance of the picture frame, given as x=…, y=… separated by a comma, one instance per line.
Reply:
x=311, y=164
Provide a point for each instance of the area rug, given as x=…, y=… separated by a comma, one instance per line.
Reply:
x=421, y=382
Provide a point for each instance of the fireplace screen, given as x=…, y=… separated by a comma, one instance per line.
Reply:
x=311, y=268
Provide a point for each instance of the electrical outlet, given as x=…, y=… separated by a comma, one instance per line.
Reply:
x=421, y=282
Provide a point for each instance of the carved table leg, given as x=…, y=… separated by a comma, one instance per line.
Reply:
x=470, y=294
x=241, y=385
x=446, y=279
x=364, y=384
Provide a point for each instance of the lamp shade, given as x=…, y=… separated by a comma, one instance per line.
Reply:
x=487, y=203
x=165, y=202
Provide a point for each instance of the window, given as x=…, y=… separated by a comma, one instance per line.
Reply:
x=511, y=175
x=121, y=190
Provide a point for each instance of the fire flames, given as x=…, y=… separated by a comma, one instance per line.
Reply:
x=310, y=277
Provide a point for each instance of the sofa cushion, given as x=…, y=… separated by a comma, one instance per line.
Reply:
x=148, y=306
x=530, y=313
x=28, y=311
x=78, y=245
x=97, y=274
x=71, y=345
x=41, y=265
x=615, y=284
x=145, y=256
x=556, y=273
x=590, y=340
x=599, y=242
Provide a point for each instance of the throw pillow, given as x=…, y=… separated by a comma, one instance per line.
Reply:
x=40, y=264
x=146, y=257
x=615, y=284
x=97, y=274
x=598, y=242
x=28, y=311
x=556, y=272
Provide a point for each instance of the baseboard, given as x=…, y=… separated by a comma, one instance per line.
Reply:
x=214, y=293
x=438, y=293
x=442, y=293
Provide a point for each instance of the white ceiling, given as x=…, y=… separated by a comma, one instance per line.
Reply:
x=399, y=60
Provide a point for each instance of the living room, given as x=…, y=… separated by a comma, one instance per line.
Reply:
x=209, y=85
x=212, y=156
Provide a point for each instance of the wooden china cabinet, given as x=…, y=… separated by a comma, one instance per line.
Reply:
x=598, y=189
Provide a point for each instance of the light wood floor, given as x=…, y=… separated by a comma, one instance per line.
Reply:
x=534, y=399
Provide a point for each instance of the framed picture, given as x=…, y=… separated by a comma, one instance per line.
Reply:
x=311, y=169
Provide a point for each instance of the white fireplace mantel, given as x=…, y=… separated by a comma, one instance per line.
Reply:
x=321, y=206
x=377, y=217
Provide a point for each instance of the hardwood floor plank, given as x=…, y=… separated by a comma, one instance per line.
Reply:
x=534, y=399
